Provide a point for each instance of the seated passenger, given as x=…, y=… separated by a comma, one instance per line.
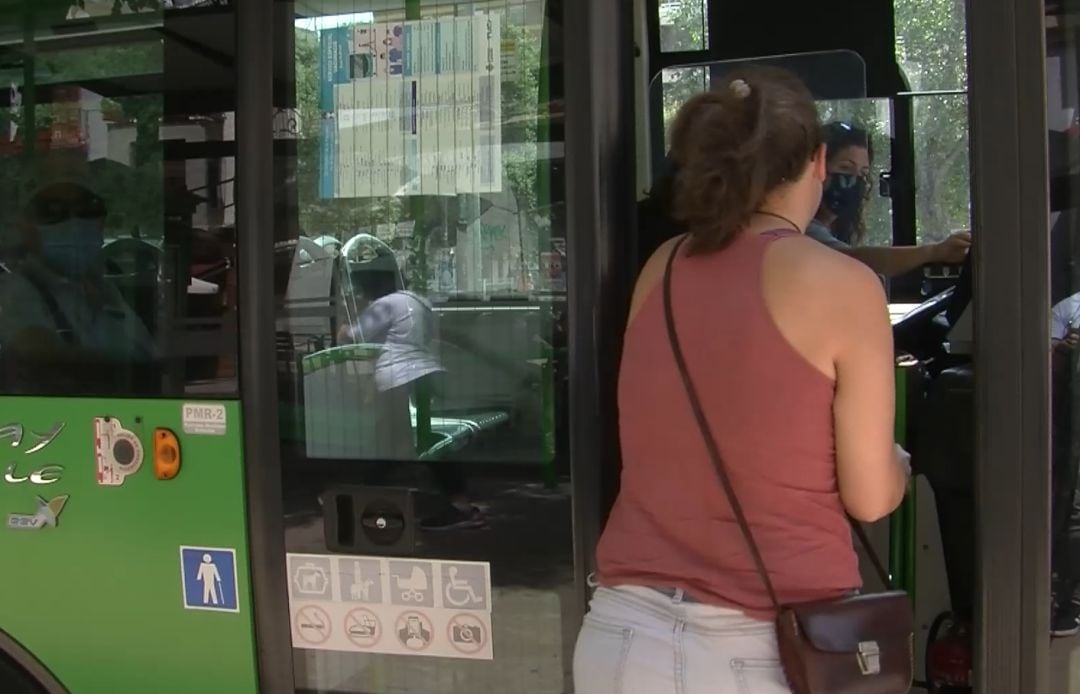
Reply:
x=789, y=348
x=56, y=307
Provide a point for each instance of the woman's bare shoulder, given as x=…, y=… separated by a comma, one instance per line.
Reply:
x=652, y=273
x=822, y=269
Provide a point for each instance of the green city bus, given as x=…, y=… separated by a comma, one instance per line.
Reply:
x=311, y=310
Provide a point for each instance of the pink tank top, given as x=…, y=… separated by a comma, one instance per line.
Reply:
x=771, y=413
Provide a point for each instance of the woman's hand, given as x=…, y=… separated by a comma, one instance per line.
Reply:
x=903, y=459
x=952, y=250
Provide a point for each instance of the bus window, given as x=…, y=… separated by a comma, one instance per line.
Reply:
x=942, y=178
x=678, y=85
x=684, y=25
x=117, y=247
x=872, y=117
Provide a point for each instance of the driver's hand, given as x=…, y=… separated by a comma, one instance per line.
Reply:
x=343, y=336
x=952, y=250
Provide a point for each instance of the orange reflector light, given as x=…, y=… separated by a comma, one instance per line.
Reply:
x=166, y=454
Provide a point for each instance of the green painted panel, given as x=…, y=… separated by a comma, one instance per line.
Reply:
x=98, y=598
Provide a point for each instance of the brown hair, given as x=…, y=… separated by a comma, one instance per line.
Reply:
x=734, y=145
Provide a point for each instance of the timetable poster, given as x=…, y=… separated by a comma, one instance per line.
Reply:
x=411, y=108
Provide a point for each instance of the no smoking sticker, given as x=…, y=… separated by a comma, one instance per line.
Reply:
x=363, y=627
x=313, y=625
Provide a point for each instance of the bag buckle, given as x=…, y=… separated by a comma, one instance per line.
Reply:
x=869, y=658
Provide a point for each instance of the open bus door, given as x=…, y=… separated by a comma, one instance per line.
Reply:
x=837, y=81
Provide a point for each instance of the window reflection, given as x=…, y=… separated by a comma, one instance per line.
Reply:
x=423, y=285
x=117, y=249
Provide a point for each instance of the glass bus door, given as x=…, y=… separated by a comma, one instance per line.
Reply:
x=420, y=272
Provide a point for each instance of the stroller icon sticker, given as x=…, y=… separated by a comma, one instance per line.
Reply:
x=411, y=584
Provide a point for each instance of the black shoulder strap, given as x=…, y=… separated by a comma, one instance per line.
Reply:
x=714, y=450
x=63, y=326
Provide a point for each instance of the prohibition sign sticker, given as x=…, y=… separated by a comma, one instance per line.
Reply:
x=414, y=631
x=467, y=634
x=362, y=627
x=313, y=624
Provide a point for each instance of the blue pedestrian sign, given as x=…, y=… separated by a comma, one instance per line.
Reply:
x=209, y=578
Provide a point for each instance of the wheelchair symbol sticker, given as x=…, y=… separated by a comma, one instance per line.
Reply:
x=411, y=584
x=465, y=586
x=467, y=634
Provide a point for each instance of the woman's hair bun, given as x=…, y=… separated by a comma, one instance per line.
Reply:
x=734, y=144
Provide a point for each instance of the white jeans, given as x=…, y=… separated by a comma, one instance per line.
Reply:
x=640, y=641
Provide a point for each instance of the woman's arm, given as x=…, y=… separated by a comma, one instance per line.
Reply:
x=373, y=324
x=871, y=477
x=897, y=260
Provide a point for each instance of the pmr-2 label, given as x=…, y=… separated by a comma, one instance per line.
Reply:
x=204, y=419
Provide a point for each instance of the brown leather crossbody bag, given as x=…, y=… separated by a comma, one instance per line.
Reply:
x=853, y=645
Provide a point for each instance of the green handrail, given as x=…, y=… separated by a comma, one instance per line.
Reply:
x=902, y=523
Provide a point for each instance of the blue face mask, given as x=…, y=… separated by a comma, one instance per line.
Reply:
x=73, y=247
x=844, y=194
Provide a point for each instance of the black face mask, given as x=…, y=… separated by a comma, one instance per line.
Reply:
x=844, y=194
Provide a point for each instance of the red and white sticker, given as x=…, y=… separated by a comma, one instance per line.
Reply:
x=363, y=627
x=414, y=631
x=467, y=634
x=312, y=625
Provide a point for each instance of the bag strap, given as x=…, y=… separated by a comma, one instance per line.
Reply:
x=714, y=450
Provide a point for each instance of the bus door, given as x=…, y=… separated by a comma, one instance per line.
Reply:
x=928, y=555
x=421, y=348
